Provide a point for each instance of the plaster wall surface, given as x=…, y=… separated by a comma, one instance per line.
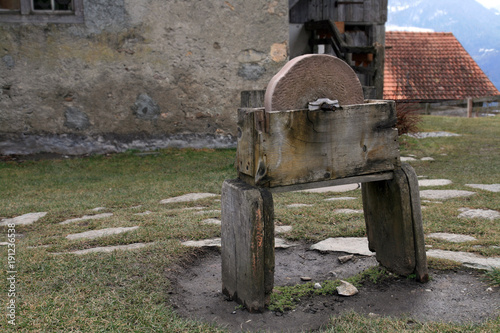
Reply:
x=137, y=74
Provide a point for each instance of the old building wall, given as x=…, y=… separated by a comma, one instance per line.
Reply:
x=136, y=74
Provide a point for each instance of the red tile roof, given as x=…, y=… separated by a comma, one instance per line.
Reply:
x=427, y=66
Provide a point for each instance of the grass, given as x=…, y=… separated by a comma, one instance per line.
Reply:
x=493, y=277
x=127, y=291
x=286, y=298
x=352, y=323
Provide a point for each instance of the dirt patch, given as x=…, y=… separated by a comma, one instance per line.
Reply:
x=450, y=296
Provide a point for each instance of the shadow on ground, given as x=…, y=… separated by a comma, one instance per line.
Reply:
x=451, y=296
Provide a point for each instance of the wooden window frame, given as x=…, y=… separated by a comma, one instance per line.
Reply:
x=27, y=15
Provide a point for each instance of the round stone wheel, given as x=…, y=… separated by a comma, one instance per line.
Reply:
x=309, y=77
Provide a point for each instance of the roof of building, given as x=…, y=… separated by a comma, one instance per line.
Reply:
x=429, y=66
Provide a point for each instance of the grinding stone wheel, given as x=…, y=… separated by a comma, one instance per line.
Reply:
x=306, y=78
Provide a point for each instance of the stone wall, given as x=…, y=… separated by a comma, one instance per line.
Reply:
x=137, y=74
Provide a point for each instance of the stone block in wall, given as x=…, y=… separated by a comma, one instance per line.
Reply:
x=76, y=119
x=146, y=108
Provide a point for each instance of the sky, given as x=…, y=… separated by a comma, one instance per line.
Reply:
x=490, y=3
x=486, y=3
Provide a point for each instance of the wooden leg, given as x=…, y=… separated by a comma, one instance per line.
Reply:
x=388, y=218
x=421, y=270
x=247, y=244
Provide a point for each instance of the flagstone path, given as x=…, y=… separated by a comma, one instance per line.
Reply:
x=188, y=197
x=423, y=135
x=434, y=182
x=487, y=187
x=444, y=194
x=92, y=234
x=24, y=219
x=454, y=238
x=87, y=217
x=340, y=199
x=479, y=213
x=342, y=244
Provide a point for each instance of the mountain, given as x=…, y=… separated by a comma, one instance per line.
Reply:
x=476, y=27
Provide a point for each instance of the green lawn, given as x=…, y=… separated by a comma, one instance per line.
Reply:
x=127, y=291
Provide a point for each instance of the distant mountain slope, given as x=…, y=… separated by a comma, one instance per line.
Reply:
x=476, y=27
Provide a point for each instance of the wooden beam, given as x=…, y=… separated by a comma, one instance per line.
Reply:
x=334, y=182
x=282, y=148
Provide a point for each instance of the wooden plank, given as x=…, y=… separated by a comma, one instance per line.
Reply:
x=299, y=12
x=378, y=65
x=252, y=98
x=388, y=217
x=315, y=10
x=334, y=182
x=301, y=146
x=247, y=237
x=469, y=107
x=421, y=270
x=245, y=154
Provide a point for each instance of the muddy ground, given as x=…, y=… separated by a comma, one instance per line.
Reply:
x=451, y=296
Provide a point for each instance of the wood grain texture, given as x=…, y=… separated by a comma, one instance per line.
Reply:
x=389, y=223
x=301, y=146
x=247, y=236
x=421, y=270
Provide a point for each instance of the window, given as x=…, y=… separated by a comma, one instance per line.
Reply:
x=41, y=11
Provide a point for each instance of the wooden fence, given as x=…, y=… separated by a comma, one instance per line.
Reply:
x=474, y=106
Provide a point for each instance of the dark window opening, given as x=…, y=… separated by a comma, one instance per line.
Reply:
x=41, y=11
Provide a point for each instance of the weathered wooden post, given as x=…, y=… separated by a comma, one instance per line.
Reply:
x=247, y=244
x=294, y=144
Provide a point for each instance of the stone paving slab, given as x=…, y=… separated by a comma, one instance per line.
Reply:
x=213, y=242
x=455, y=238
x=280, y=229
x=214, y=211
x=423, y=135
x=212, y=221
x=467, y=259
x=25, y=219
x=486, y=187
x=434, y=182
x=188, y=197
x=216, y=242
x=355, y=245
x=413, y=159
x=100, y=233
x=87, y=217
x=340, y=199
x=106, y=249
x=281, y=243
x=479, y=213
x=348, y=211
x=298, y=205
x=444, y=194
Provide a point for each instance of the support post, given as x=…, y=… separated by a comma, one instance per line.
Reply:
x=247, y=244
x=394, y=223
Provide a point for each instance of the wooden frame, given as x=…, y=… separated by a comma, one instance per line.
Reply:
x=284, y=148
x=291, y=150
